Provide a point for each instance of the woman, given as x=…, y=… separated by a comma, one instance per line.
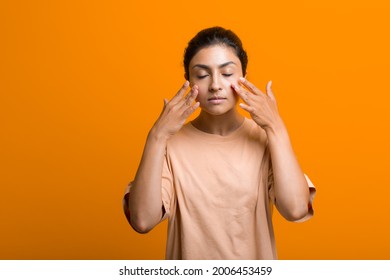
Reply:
x=217, y=178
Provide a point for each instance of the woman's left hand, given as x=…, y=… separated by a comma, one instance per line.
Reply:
x=262, y=107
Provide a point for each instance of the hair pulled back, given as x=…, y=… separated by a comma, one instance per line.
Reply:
x=214, y=36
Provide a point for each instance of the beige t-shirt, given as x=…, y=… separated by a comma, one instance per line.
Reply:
x=217, y=194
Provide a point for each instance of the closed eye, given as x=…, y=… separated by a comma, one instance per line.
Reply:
x=202, y=77
x=227, y=75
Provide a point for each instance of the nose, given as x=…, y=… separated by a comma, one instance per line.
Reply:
x=215, y=84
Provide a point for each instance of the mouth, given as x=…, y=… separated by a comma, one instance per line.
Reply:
x=215, y=100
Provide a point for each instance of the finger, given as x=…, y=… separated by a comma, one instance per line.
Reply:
x=239, y=90
x=270, y=93
x=252, y=88
x=247, y=107
x=179, y=95
x=190, y=110
x=190, y=98
x=192, y=95
x=242, y=93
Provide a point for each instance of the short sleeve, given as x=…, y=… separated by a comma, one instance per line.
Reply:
x=312, y=192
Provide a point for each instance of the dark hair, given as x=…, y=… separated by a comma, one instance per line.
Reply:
x=214, y=36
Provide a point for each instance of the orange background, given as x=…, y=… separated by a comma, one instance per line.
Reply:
x=82, y=82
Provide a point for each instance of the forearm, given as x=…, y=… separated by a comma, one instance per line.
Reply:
x=145, y=202
x=290, y=185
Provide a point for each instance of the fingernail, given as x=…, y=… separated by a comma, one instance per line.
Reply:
x=242, y=79
x=186, y=83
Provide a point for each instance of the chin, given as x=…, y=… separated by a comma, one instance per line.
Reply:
x=217, y=111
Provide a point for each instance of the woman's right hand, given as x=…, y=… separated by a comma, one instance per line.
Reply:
x=175, y=112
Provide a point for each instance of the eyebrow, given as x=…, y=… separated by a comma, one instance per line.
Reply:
x=208, y=67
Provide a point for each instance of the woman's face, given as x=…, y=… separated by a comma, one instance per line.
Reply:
x=214, y=69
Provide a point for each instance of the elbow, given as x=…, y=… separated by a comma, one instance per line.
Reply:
x=140, y=225
x=296, y=213
x=297, y=208
x=140, y=220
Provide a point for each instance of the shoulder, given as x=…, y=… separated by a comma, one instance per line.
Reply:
x=183, y=133
x=183, y=137
x=253, y=131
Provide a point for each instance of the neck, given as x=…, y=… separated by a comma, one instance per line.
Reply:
x=220, y=125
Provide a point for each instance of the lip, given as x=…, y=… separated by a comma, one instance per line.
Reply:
x=216, y=100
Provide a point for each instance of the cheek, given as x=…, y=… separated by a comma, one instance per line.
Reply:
x=202, y=93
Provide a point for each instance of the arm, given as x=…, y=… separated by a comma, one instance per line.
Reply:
x=145, y=201
x=290, y=185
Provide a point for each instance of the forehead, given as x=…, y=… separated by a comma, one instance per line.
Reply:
x=214, y=56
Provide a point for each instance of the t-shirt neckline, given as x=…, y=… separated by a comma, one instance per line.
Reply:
x=216, y=137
